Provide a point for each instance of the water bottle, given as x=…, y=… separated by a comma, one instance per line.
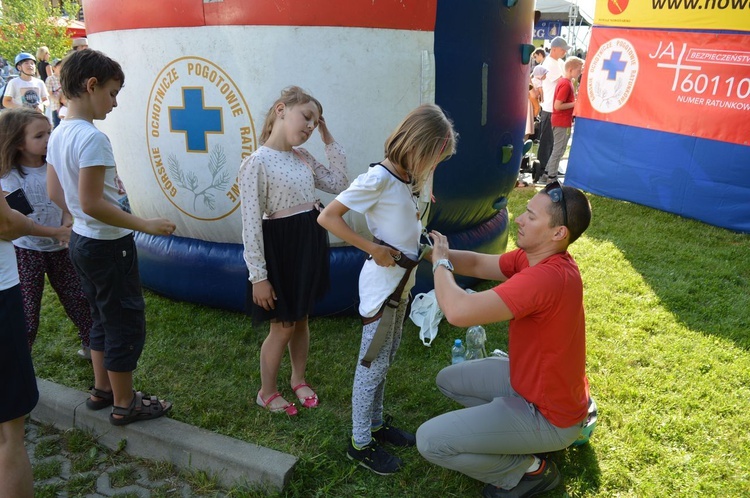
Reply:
x=475, y=339
x=457, y=352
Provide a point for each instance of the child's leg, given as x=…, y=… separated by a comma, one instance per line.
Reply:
x=110, y=278
x=31, y=275
x=67, y=285
x=15, y=469
x=101, y=376
x=122, y=387
x=560, y=135
x=366, y=383
x=299, y=346
x=398, y=326
x=270, y=360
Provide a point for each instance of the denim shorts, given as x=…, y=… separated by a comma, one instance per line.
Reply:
x=110, y=279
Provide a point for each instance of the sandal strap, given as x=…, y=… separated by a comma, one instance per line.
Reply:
x=101, y=394
x=119, y=410
x=272, y=397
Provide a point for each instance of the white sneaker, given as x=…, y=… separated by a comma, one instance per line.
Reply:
x=84, y=353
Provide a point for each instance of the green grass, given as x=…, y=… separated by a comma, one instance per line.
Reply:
x=668, y=313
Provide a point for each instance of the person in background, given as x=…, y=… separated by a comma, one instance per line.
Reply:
x=554, y=66
x=80, y=44
x=27, y=90
x=538, y=55
x=535, y=400
x=55, y=91
x=562, y=116
x=538, y=75
x=42, y=63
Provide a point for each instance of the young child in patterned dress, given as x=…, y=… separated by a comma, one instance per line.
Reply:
x=22, y=150
x=286, y=251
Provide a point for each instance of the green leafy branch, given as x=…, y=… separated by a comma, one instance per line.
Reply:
x=220, y=179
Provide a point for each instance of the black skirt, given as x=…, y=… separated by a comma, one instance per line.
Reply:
x=297, y=261
x=18, y=391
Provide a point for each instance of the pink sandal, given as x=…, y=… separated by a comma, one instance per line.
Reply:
x=289, y=409
x=309, y=401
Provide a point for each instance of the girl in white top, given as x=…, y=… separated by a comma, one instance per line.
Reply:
x=26, y=135
x=286, y=251
x=387, y=196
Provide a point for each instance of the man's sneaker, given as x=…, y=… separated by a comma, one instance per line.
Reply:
x=386, y=433
x=375, y=458
x=544, y=479
x=542, y=180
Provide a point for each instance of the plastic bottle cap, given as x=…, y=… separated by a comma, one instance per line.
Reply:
x=457, y=342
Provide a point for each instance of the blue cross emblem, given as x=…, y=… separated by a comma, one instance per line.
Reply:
x=195, y=120
x=614, y=65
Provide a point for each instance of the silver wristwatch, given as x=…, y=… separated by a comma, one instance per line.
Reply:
x=442, y=262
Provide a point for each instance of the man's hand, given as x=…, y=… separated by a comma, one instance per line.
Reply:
x=440, y=248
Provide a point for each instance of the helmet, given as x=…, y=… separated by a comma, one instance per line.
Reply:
x=24, y=56
x=590, y=425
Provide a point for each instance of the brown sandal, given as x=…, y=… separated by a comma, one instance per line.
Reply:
x=106, y=398
x=143, y=407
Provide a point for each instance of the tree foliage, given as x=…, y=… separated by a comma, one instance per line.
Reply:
x=26, y=25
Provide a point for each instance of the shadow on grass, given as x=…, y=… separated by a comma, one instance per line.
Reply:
x=700, y=273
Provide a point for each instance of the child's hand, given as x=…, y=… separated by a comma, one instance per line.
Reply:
x=159, y=226
x=67, y=219
x=385, y=256
x=325, y=135
x=264, y=295
x=62, y=234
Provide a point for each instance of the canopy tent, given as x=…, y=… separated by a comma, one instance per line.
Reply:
x=75, y=28
x=576, y=17
x=560, y=10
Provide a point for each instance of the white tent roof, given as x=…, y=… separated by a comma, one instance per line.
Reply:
x=560, y=9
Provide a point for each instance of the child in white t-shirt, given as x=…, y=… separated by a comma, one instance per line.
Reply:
x=27, y=90
x=387, y=195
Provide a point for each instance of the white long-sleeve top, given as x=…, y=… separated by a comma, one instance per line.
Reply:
x=273, y=180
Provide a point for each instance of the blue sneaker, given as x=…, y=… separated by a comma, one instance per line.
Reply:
x=375, y=458
x=386, y=433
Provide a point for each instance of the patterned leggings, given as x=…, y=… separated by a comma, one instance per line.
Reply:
x=369, y=383
x=32, y=266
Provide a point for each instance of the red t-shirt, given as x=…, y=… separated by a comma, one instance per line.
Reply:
x=547, y=336
x=564, y=92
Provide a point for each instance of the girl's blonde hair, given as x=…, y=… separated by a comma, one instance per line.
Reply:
x=41, y=52
x=13, y=123
x=290, y=97
x=423, y=139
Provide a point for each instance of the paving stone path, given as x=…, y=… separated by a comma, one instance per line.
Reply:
x=70, y=464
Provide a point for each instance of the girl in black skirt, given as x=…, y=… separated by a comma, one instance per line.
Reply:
x=286, y=251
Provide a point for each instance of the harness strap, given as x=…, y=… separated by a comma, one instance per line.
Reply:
x=387, y=312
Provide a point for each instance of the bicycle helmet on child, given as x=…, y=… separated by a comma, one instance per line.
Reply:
x=24, y=56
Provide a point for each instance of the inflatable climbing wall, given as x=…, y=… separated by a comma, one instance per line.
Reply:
x=201, y=74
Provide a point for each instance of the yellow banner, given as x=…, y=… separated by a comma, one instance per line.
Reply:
x=687, y=14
